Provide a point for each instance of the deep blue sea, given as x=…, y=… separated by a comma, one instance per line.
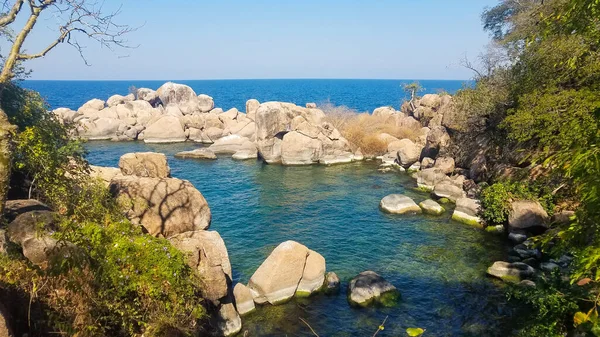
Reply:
x=362, y=95
x=438, y=265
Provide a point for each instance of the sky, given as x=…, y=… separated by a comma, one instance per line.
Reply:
x=242, y=39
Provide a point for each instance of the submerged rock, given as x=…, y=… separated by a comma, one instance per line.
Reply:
x=399, y=204
x=368, y=287
x=431, y=207
x=332, y=283
x=513, y=272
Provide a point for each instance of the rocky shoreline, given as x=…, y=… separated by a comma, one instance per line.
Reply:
x=286, y=134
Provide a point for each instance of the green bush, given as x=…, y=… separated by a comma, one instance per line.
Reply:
x=496, y=199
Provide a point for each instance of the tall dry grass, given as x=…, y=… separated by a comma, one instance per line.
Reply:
x=363, y=130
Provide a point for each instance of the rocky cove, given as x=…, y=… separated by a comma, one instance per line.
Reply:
x=282, y=227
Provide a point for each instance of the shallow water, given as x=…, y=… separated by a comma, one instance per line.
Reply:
x=437, y=265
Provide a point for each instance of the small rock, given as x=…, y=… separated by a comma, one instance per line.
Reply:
x=549, y=266
x=368, y=287
x=202, y=153
x=243, y=299
x=332, y=283
x=431, y=207
x=511, y=272
x=517, y=238
x=527, y=283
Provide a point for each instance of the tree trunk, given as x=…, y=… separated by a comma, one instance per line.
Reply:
x=6, y=132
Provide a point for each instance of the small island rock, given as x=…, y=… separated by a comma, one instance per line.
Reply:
x=399, y=204
x=368, y=287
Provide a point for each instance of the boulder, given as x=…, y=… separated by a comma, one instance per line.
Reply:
x=427, y=163
x=163, y=206
x=251, y=107
x=205, y=103
x=277, y=278
x=445, y=164
x=428, y=178
x=231, y=144
x=298, y=149
x=167, y=129
x=341, y=158
x=384, y=112
x=467, y=212
x=100, y=129
x=229, y=322
x=368, y=287
x=145, y=164
x=245, y=155
x=399, y=204
x=243, y=299
x=332, y=283
x=313, y=276
x=431, y=207
x=311, y=105
x=271, y=119
x=431, y=101
x=513, y=272
x=437, y=139
x=14, y=208
x=118, y=99
x=526, y=214
x=201, y=153
x=408, y=152
x=176, y=93
x=206, y=253
x=517, y=238
x=148, y=95
x=93, y=105
x=447, y=189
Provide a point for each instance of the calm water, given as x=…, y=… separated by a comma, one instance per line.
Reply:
x=363, y=95
x=438, y=265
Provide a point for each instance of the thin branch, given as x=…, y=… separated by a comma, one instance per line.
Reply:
x=379, y=328
x=308, y=325
x=12, y=14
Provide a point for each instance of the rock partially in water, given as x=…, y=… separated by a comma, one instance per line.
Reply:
x=399, y=204
x=447, y=189
x=232, y=144
x=229, y=322
x=201, y=153
x=368, y=287
x=332, y=283
x=145, y=164
x=167, y=129
x=243, y=299
x=467, y=212
x=245, y=155
x=431, y=207
x=313, y=276
x=513, y=272
x=428, y=178
x=279, y=276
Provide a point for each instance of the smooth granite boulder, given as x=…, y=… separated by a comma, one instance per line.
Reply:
x=399, y=204
x=167, y=129
x=313, y=276
x=446, y=189
x=467, y=212
x=431, y=207
x=408, y=152
x=368, y=287
x=526, y=214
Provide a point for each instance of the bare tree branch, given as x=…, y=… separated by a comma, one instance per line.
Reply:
x=10, y=17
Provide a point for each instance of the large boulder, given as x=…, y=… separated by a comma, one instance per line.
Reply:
x=526, y=214
x=437, y=139
x=118, y=99
x=511, y=272
x=278, y=277
x=445, y=164
x=368, y=287
x=163, y=206
x=167, y=129
x=428, y=178
x=467, y=212
x=145, y=164
x=244, y=302
x=399, y=204
x=206, y=253
x=176, y=93
x=408, y=152
x=92, y=105
x=205, y=103
x=99, y=129
x=298, y=149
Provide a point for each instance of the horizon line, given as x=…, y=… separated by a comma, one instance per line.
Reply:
x=250, y=79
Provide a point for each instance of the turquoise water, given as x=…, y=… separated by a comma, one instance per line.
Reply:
x=438, y=265
x=362, y=95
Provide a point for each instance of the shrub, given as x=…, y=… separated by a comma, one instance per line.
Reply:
x=496, y=199
x=362, y=129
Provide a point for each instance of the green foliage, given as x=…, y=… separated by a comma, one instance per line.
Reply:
x=496, y=199
x=549, y=307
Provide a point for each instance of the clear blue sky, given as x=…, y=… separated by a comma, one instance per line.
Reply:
x=191, y=39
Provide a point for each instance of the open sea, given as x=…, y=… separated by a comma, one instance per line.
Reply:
x=437, y=265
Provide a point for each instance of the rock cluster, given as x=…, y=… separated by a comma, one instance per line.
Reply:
x=277, y=132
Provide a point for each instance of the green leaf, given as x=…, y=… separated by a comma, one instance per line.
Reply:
x=414, y=332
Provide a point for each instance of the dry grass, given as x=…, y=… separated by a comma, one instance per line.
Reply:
x=362, y=130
